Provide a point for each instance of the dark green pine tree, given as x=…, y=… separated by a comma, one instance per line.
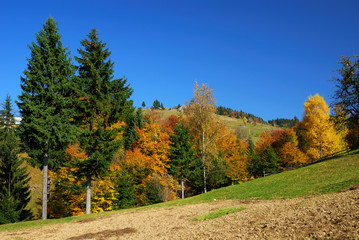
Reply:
x=143, y=104
x=270, y=161
x=156, y=104
x=14, y=187
x=102, y=101
x=45, y=105
x=134, y=120
x=182, y=155
x=254, y=166
x=126, y=196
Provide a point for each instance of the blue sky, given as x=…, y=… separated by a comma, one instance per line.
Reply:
x=262, y=57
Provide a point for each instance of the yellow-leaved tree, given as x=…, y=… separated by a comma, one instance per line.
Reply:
x=201, y=113
x=234, y=152
x=318, y=132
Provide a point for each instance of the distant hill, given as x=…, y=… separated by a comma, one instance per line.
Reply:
x=224, y=111
x=243, y=131
x=284, y=122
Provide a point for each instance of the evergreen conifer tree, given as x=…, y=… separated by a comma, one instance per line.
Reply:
x=134, y=120
x=156, y=104
x=102, y=101
x=270, y=161
x=182, y=154
x=254, y=166
x=45, y=105
x=126, y=196
x=14, y=187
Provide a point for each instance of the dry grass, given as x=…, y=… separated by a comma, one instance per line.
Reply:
x=331, y=216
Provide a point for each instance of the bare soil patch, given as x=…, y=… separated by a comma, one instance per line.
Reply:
x=104, y=234
x=329, y=216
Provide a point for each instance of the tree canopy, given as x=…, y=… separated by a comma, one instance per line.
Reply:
x=45, y=103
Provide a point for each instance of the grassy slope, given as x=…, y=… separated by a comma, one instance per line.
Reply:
x=328, y=176
x=36, y=187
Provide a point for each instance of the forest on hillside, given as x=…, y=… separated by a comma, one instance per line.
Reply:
x=225, y=111
x=100, y=153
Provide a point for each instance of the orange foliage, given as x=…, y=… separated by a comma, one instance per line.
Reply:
x=154, y=142
x=234, y=153
x=264, y=141
x=152, y=116
x=74, y=151
x=291, y=156
x=136, y=163
x=169, y=123
x=285, y=144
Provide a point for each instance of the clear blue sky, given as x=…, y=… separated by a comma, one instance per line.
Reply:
x=262, y=57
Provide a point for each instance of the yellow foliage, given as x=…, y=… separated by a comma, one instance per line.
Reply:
x=68, y=196
x=154, y=142
x=234, y=153
x=291, y=156
x=318, y=131
x=245, y=120
x=118, y=125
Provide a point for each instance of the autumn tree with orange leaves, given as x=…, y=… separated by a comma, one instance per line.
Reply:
x=234, y=152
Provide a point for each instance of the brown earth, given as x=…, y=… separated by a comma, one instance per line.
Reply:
x=329, y=216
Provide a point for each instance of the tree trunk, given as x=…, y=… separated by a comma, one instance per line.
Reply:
x=48, y=186
x=204, y=163
x=88, y=194
x=88, y=180
x=44, y=187
x=182, y=187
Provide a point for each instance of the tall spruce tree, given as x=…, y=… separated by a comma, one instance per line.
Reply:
x=254, y=165
x=134, y=120
x=156, y=104
x=102, y=101
x=14, y=187
x=181, y=154
x=270, y=161
x=45, y=105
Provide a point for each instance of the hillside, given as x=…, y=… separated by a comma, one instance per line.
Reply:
x=242, y=131
x=297, y=209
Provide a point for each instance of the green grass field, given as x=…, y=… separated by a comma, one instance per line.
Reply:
x=218, y=213
x=332, y=175
x=328, y=176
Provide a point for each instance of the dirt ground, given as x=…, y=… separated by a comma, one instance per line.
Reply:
x=329, y=216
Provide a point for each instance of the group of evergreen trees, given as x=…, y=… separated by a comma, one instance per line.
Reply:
x=14, y=179
x=158, y=105
x=59, y=107
x=64, y=104
x=224, y=111
x=284, y=122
